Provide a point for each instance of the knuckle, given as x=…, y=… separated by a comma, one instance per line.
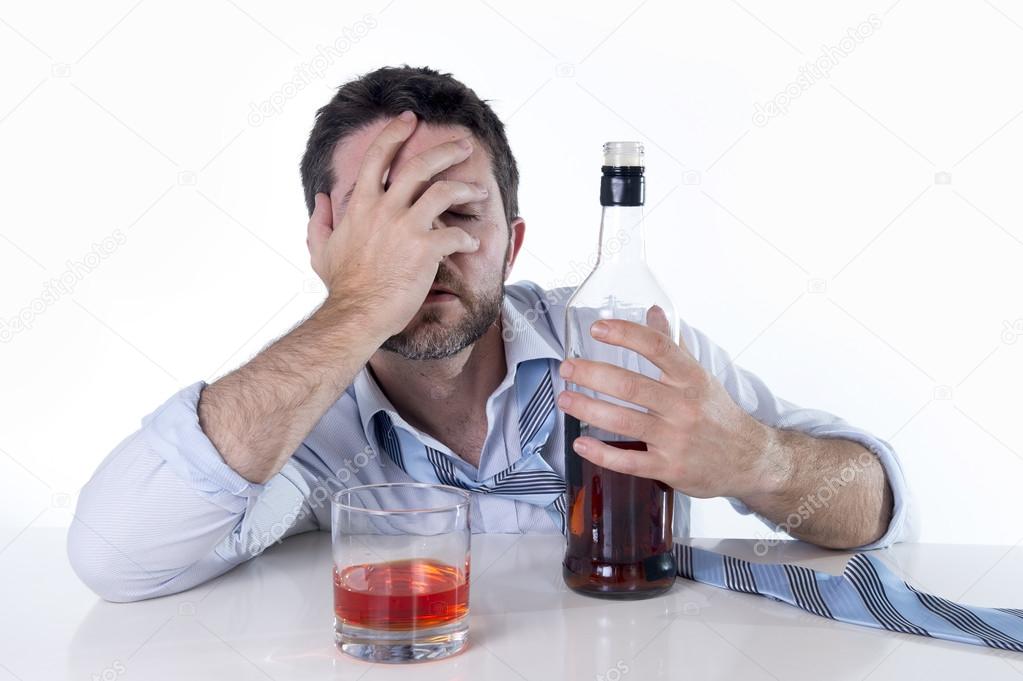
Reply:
x=440, y=190
x=451, y=189
x=418, y=167
x=629, y=389
x=696, y=410
x=647, y=428
x=686, y=394
x=622, y=422
x=376, y=151
x=357, y=204
x=624, y=464
x=663, y=345
x=677, y=469
x=700, y=383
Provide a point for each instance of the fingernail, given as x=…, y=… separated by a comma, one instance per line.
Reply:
x=564, y=399
x=579, y=445
x=407, y=116
x=465, y=143
x=599, y=329
x=566, y=369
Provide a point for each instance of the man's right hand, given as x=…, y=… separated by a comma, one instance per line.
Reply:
x=378, y=259
x=380, y=256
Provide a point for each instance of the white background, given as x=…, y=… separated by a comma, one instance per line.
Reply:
x=860, y=251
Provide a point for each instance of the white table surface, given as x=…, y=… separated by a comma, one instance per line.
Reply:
x=271, y=618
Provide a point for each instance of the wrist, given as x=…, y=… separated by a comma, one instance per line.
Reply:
x=346, y=328
x=771, y=467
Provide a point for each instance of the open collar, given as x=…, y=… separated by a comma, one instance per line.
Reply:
x=527, y=334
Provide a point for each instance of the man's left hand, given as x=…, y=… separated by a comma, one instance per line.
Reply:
x=698, y=439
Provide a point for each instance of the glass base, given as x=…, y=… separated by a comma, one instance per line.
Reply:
x=421, y=645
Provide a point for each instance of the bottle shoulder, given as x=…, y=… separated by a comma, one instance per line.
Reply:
x=618, y=286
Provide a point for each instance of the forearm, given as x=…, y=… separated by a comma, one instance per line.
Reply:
x=828, y=491
x=257, y=415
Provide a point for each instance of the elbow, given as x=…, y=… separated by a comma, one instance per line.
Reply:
x=881, y=536
x=108, y=572
x=880, y=529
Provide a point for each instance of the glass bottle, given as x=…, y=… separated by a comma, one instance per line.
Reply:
x=619, y=526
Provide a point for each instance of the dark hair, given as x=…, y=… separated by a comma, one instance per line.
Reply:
x=435, y=98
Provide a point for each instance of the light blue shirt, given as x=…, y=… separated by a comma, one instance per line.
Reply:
x=164, y=513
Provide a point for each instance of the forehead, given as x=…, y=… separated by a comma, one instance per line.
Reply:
x=348, y=155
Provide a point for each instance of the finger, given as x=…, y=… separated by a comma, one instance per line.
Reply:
x=616, y=381
x=441, y=196
x=657, y=319
x=448, y=240
x=628, y=461
x=417, y=172
x=660, y=349
x=320, y=224
x=369, y=184
x=613, y=418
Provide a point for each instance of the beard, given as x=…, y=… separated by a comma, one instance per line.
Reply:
x=426, y=336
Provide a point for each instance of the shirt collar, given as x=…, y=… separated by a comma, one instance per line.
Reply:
x=527, y=334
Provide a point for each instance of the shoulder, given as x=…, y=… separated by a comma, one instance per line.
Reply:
x=525, y=294
x=532, y=300
x=539, y=306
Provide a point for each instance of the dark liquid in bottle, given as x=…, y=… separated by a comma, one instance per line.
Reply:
x=619, y=528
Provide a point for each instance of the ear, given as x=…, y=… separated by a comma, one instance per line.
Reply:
x=518, y=235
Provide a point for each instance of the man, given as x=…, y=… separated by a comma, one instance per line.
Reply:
x=414, y=228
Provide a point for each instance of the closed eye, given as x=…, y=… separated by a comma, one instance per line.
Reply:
x=462, y=216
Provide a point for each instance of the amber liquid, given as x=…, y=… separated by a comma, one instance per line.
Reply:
x=619, y=528
x=401, y=595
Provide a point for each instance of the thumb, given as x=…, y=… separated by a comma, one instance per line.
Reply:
x=321, y=224
x=655, y=318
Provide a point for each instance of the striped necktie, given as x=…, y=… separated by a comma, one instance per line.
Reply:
x=530, y=478
x=867, y=593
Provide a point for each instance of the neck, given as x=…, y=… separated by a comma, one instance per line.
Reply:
x=621, y=235
x=432, y=394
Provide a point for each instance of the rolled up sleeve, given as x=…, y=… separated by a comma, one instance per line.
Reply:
x=164, y=512
x=174, y=434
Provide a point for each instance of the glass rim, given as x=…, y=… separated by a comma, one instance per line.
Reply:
x=463, y=503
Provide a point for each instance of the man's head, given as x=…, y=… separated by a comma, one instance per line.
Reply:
x=446, y=109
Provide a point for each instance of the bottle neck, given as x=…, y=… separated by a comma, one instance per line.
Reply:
x=621, y=235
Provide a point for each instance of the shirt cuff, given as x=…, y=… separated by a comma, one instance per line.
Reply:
x=893, y=472
x=174, y=434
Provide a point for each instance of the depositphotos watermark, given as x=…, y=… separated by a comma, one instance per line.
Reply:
x=113, y=671
x=318, y=498
x=1012, y=331
x=615, y=673
x=309, y=71
x=562, y=288
x=63, y=285
x=821, y=498
x=813, y=71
